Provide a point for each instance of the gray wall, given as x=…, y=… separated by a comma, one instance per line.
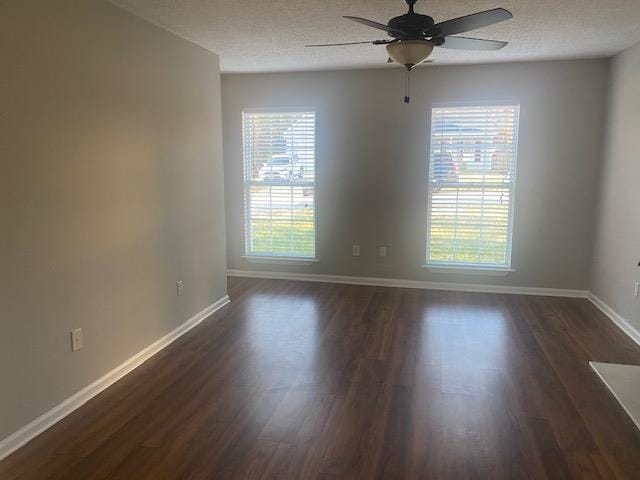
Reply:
x=372, y=164
x=617, y=247
x=111, y=189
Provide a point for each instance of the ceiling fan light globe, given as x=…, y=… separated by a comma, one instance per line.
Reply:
x=409, y=52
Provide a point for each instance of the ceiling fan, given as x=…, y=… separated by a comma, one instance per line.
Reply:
x=413, y=36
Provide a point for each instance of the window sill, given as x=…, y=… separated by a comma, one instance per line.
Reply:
x=468, y=270
x=276, y=260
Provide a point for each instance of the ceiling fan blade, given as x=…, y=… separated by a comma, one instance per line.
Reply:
x=371, y=23
x=470, y=22
x=372, y=42
x=465, y=43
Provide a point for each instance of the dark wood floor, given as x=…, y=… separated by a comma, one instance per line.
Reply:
x=324, y=381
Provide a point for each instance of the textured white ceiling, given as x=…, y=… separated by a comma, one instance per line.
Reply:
x=267, y=36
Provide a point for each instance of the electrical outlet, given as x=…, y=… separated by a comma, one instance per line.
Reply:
x=77, y=342
x=179, y=287
x=355, y=250
x=382, y=251
x=636, y=289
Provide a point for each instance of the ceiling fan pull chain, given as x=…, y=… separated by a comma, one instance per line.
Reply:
x=406, y=96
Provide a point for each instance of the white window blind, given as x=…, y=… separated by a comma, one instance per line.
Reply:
x=471, y=185
x=279, y=183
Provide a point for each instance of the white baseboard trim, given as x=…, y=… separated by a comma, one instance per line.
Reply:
x=397, y=282
x=623, y=324
x=57, y=413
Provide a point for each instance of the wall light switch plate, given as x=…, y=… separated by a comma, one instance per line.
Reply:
x=77, y=342
x=179, y=287
x=355, y=250
x=636, y=289
x=382, y=251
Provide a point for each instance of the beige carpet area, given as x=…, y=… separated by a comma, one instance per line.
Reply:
x=624, y=383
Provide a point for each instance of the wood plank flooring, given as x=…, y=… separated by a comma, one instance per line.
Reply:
x=324, y=381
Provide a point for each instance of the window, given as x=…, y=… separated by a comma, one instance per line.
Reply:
x=471, y=186
x=279, y=183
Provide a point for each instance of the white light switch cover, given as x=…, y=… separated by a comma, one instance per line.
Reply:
x=77, y=342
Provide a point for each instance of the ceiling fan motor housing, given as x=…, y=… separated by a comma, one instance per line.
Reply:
x=414, y=25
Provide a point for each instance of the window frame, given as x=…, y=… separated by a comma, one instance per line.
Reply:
x=468, y=267
x=276, y=258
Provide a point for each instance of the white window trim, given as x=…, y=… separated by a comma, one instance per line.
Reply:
x=277, y=260
x=471, y=269
x=474, y=268
x=274, y=258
